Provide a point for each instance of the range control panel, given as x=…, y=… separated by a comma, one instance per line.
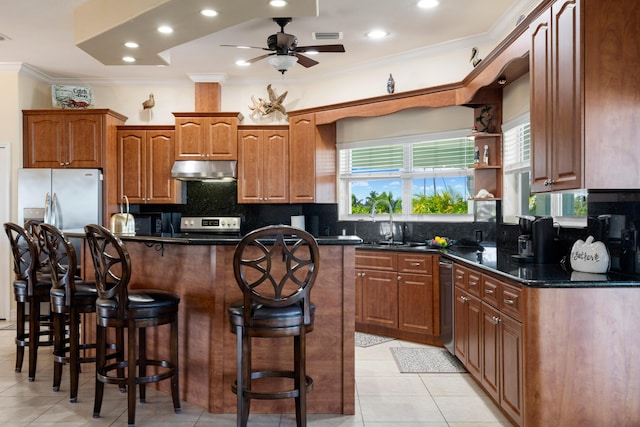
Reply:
x=225, y=224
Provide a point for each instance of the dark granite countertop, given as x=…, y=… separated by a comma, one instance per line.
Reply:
x=204, y=239
x=500, y=262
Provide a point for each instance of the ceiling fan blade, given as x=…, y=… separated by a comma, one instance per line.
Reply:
x=322, y=48
x=305, y=61
x=258, y=58
x=240, y=46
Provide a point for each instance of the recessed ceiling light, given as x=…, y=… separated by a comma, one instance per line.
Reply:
x=427, y=4
x=165, y=29
x=278, y=3
x=242, y=63
x=208, y=12
x=377, y=34
x=132, y=45
x=128, y=59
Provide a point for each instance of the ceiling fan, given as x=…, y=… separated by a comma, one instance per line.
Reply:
x=285, y=50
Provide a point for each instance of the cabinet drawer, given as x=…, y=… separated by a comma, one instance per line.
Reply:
x=474, y=281
x=491, y=291
x=415, y=263
x=511, y=302
x=376, y=260
x=460, y=276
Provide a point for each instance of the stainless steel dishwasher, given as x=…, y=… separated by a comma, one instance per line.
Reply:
x=445, y=272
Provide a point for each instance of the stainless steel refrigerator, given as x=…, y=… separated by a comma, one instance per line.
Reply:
x=66, y=198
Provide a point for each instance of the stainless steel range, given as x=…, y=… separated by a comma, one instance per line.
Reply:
x=210, y=225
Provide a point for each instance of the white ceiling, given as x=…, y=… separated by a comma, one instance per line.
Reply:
x=40, y=33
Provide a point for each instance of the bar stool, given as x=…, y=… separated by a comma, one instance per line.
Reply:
x=123, y=309
x=70, y=298
x=275, y=267
x=30, y=289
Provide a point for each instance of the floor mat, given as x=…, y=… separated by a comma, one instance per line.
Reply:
x=367, y=340
x=425, y=360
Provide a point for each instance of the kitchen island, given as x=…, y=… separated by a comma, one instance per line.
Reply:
x=200, y=271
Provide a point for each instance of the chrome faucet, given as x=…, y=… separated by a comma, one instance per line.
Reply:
x=389, y=234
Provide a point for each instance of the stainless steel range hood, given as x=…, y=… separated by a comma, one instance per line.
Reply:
x=204, y=170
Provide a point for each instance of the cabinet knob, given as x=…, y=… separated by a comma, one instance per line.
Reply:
x=463, y=299
x=496, y=319
x=415, y=264
x=488, y=291
x=399, y=277
x=509, y=301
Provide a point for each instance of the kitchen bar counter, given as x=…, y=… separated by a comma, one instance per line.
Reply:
x=500, y=262
x=200, y=271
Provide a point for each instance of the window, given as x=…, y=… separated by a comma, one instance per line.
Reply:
x=418, y=177
x=568, y=208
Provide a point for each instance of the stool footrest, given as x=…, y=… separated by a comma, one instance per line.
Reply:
x=169, y=371
x=278, y=394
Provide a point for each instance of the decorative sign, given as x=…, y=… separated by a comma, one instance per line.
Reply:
x=590, y=256
x=71, y=96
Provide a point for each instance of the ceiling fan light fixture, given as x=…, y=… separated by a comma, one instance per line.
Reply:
x=282, y=63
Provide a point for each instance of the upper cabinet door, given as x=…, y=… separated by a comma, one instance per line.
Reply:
x=161, y=187
x=557, y=98
x=43, y=141
x=222, y=138
x=84, y=141
x=190, y=138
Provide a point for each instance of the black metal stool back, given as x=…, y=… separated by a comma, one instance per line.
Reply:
x=29, y=289
x=275, y=267
x=70, y=298
x=123, y=309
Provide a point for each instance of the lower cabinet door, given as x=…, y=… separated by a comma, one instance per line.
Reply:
x=380, y=298
x=511, y=375
x=491, y=351
x=415, y=302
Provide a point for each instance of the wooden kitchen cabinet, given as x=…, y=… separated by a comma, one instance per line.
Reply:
x=145, y=159
x=395, y=295
x=489, y=336
x=263, y=172
x=206, y=136
x=67, y=138
x=312, y=160
x=556, y=67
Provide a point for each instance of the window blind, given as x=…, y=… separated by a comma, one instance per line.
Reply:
x=516, y=148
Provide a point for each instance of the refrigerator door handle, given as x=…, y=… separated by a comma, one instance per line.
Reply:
x=47, y=210
x=54, y=211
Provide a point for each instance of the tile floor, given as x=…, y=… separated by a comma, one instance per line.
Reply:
x=384, y=398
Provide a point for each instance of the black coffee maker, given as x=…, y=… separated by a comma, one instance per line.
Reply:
x=543, y=236
x=525, y=239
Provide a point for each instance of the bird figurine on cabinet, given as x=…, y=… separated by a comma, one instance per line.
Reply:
x=149, y=103
x=474, y=56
